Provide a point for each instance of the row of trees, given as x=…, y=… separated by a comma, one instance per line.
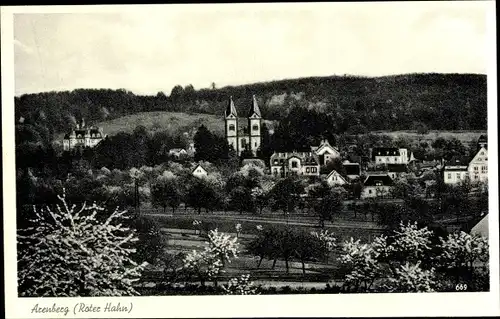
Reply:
x=104, y=258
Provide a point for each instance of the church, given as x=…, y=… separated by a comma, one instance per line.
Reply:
x=243, y=134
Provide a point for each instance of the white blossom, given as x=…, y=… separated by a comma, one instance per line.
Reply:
x=69, y=252
x=240, y=286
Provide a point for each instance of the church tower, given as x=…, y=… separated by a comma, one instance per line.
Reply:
x=231, y=119
x=254, y=126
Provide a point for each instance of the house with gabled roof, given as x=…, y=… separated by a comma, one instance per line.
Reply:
x=456, y=170
x=335, y=179
x=478, y=166
x=199, y=172
x=297, y=163
x=377, y=185
x=325, y=152
x=396, y=170
x=83, y=137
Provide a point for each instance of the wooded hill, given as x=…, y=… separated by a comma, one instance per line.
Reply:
x=441, y=101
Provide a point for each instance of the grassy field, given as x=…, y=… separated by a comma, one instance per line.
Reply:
x=175, y=122
x=172, y=122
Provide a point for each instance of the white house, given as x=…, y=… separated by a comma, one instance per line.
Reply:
x=478, y=166
x=177, y=152
x=325, y=152
x=83, y=136
x=377, y=185
x=335, y=179
x=199, y=172
x=390, y=155
x=456, y=170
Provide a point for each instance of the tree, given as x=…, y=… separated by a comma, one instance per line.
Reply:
x=209, y=263
x=152, y=241
x=165, y=192
x=202, y=194
x=463, y=257
x=240, y=286
x=68, y=252
x=286, y=194
x=400, y=262
x=327, y=241
x=307, y=248
x=327, y=207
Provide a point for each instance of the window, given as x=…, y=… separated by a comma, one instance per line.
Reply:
x=231, y=127
x=449, y=175
x=294, y=164
x=380, y=160
x=484, y=168
x=476, y=177
x=369, y=191
x=482, y=153
x=255, y=127
x=314, y=169
x=275, y=162
x=307, y=169
x=255, y=144
x=458, y=175
x=476, y=168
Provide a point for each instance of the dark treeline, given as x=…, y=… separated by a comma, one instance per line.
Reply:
x=441, y=101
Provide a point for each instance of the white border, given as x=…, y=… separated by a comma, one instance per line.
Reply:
x=432, y=304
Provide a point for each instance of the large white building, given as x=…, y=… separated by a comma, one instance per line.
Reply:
x=297, y=163
x=83, y=137
x=390, y=155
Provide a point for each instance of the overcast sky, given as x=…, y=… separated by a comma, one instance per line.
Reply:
x=151, y=49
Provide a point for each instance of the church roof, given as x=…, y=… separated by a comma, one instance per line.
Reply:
x=231, y=109
x=255, y=108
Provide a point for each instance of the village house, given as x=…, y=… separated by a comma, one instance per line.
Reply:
x=298, y=163
x=199, y=171
x=335, y=179
x=177, y=152
x=325, y=152
x=389, y=155
x=353, y=170
x=478, y=166
x=83, y=137
x=377, y=185
x=396, y=170
x=456, y=170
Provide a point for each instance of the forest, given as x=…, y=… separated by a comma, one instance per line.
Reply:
x=351, y=103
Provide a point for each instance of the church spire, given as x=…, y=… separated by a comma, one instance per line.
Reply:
x=255, y=108
x=231, y=110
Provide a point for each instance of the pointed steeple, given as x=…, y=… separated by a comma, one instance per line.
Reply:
x=255, y=108
x=231, y=110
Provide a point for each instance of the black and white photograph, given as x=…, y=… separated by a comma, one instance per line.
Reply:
x=317, y=151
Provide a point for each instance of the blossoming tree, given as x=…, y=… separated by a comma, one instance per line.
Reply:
x=69, y=252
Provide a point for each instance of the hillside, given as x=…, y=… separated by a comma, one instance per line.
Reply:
x=441, y=101
x=171, y=122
